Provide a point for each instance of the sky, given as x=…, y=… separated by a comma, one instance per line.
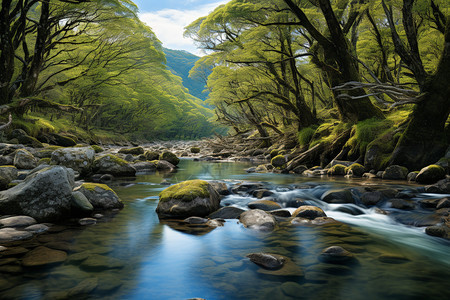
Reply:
x=167, y=18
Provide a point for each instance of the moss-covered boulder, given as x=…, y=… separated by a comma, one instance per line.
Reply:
x=309, y=212
x=430, y=174
x=278, y=161
x=336, y=170
x=23, y=159
x=80, y=159
x=9, y=172
x=97, y=148
x=100, y=195
x=195, y=150
x=80, y=203
x=274, y=153
x=29, y=141
x=395, y=172
x=170, y=157
x=355, y=170
x=187, y=199
x=151, y=155
x=133, y=151
x=111, y=164
x=61, y=140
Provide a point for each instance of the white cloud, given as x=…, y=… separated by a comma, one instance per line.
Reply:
x=168, y=25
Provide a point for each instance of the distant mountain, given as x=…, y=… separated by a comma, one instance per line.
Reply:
x=180, y=62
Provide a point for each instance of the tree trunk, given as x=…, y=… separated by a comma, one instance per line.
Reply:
x=7, y=53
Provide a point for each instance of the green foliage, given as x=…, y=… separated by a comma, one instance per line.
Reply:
x=305, y=135
x=365, y=132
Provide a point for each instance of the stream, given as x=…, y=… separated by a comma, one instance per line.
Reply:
x=132, y=255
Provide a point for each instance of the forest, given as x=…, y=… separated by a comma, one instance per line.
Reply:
x=355, y=80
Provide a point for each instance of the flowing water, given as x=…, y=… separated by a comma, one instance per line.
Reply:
x=131, y=255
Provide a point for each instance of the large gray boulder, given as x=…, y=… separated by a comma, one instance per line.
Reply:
x=111, y=164
x=188, y=198
x=79, y=159
x=23, y=159
x=100, y=195
x=44, y=195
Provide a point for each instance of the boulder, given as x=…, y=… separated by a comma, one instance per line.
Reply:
x=11, y=234
x=338, y=196
x=165, y=166
x=170, y=157
x=81, y=203
x=395, y=172
x=144, y=167
x=7, y=174
x=79, y=159
x=337, y=170
x=402, y=204
x=17, y=221
x=23, y=159
x=372, y=198
x=278, y=161
x=133, y=151
x=220, y=186
x=111, y=164
x=227, y=212
x=411, y=176
x=355, y=170
x=195, y=150
x=336, y=254
x=265, y=205
x=45, y=195
x=43, y=256
x=430, y=174
x=267, y=260
x=308, y=212
x=61, y=140
x=151, y=155
x=258, y=219
x=188, y=198
x=441, y=187
x=100, y=195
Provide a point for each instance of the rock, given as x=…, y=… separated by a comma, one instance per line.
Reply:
x=336, y=170
x=220, y=186
x=79, y=159
x=150, y=155
x=355, y=170
x=336, y=255
x=261, y=193
x=23, y=159
x=369, y=175
x=430, y=174
x=265, y=205
x=300, y=169
x=441, y=187
x=37, y=228
x=338, y=196
x=17, y=221
x=165, y=166
x=6, y=160
x=170, y=157
x=323, y=220
x=98, y=263
x=443, y=203
x=280, y=213
x=195, y=220
x=97, y=148
x=133, y=151
x=295, y=202
x=100, y=195
x=436, y=230
x=411, y=176
x=308, y=212
x=372, y=198
x=402, y=204
x=395, y=172
x=44, y=195
x=9, y=172
x=278, y=161
x=11, y=234
x=62, y=140
x=391, y=258
x=188, y=198
x=81, y=203
x=144, y=167
x=87, y=221
x=267, y=260
x=429, y=203
x=43, y=256
x=289, y=269
x=111, y=164
x=228, y=212
x=83, y=288
x=258, y=219
x=335, y=162
x=246, y=187
x=195, y=150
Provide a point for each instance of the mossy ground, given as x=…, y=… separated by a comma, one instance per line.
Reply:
x=186, y=191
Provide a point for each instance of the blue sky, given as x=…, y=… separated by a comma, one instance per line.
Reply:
x=168, y=18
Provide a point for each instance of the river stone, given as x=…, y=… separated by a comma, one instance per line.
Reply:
x=83, y=288
x=42, y=256
x=336, y=254
x=227, y=212
x=411, y=176
x=355, y=170
x=441, y=187
x=133, y=151
x=338, y=196
x=9, y=172
x=284, y=213
x=430, y=174
x=188, y=198
x=37, y=228
x=402, y=204
x=372, y=198
x=436, y=230
x=11, y=234
x=23, y=159
x=144, y=166
x=267, y=260
x=288, y=270
x=323, y=220
x=195, y=220
x=265, y=205
x=87, y=221
x=44, y=195
x=17, y=221
x=80, y=202
x=170, y=157
x=337, y=169
x=165, y=166
x=309, y=212
x=395, y=172
x=258, y=219
x=79, y=159
x=100, y=195
x=98, y=263
x=111, y=164
x=220, y=186
x=443, y=203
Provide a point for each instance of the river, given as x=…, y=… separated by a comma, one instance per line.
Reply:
x=138, y=257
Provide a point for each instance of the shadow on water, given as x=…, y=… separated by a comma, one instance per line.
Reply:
x=132, y=255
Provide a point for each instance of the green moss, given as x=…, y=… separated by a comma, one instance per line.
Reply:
x=305, y=135
x=336, y=170
x=356, y=169
x=278, y=161
x=382, y=148
x=45, y=160
x=151, y=156
x=97, y=148
x=8, y=166
x=91, y=186
x=186, y=191
x=195, y=150
x=170, y=157
x=115, y=159
x=328, y=133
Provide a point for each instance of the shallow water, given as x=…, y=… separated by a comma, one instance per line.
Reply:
x=137, y=257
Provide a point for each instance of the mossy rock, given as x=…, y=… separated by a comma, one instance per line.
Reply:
x=29, y=140
x=111, y=164
x=187, y=199
x=395, y=172
x=99, y=195
x=309, y=212
x=274, y=153
x=44, y=161
x=336, y=170
x=170, y=157
x=133, y=151
x=64, y=141
x=151, y=155
x=278, y=161
x=355, y=170
x=430, y=174
x=97, y=148
x=195, y=150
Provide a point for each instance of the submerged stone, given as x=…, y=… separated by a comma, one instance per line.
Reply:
x=267, y=260
x=258, y=219
x=309, y=212
x=336, y=254
x=42, y=256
